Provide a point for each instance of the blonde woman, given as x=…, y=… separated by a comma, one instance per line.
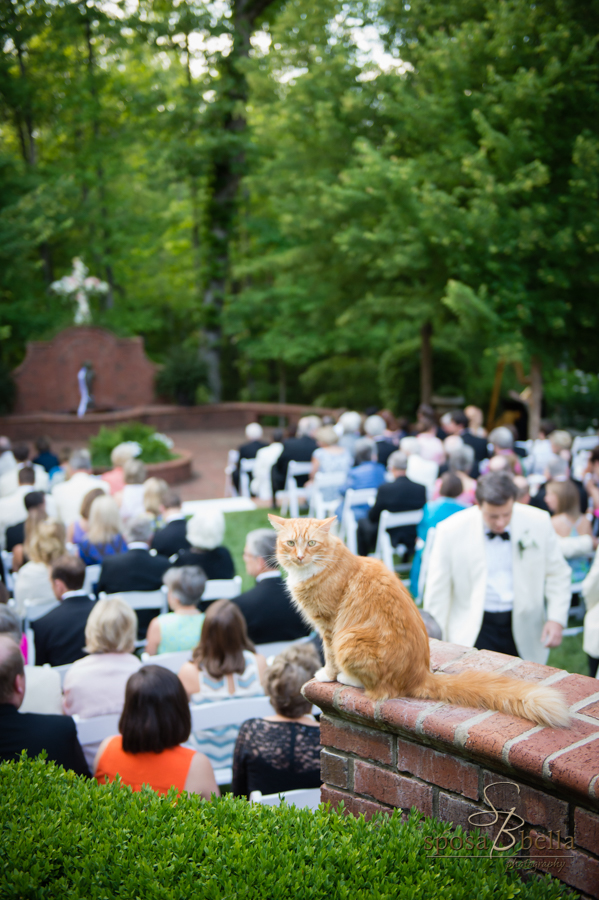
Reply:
x=46, y=545
x=563, y=499
x=104, y=536
x=77, y=530
x=131, y=498
x=155, y=491
x=95, y=685
x=120, y=455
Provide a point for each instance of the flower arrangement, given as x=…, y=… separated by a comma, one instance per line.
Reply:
x=80, y=286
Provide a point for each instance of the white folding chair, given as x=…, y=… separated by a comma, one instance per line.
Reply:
x=222, y=588
x=171, y=661
x=228, y=712
x=62, y=671
x=90, y=731
x=138, y=600
x=292, y=491
x=246, y=468
x=273, y=649
x=305, y=798
x=92, y=576
x=232, y=460
x=9, y=580
x=384, y=547
x=32, y=612
x=349, y=526
x=319, y=507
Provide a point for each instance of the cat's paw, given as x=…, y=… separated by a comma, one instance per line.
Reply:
x=344, y=678
x=323, y=675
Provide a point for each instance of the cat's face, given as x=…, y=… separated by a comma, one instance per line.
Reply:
x=302, y=543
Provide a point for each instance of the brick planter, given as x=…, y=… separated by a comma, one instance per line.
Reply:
x=173, y=471
x=441, y=758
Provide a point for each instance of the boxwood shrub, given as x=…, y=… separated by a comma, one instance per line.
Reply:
x=65, y=837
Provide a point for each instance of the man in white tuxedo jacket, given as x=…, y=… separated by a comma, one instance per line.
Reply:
x=497, y=579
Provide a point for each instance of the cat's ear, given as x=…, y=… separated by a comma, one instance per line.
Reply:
x=277, y=522
x=325, y=525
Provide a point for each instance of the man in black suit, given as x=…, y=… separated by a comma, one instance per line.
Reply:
x=458, y=424
x=32, y=732
x=299, y=448
x=137, y=569
x=60, y=634
x=375, y=427
x=268, y=610
x=15, y=534
x=172, y=538
x=401, y=495
x=558, y=470
x=253, y=433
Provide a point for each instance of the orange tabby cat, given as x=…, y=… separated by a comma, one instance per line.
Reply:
x=374, y=636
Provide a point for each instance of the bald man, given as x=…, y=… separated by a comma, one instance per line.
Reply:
x=32, y=732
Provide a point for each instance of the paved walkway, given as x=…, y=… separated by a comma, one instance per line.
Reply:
x=209, y=450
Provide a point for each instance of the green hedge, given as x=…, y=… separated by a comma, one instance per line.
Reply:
x=65, y=837
x=153, y=450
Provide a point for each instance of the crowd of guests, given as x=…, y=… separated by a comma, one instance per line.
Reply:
x=62, y=524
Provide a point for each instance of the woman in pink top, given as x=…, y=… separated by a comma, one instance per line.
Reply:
x=121, y=454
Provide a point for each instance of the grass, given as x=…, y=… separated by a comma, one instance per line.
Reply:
x=569, y=656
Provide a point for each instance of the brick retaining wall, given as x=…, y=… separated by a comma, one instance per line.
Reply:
x=440, y=758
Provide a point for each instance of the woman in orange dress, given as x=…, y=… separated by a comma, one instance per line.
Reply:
x=154, y=723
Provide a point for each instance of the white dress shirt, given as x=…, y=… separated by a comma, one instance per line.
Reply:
x=499, y=596
x=274, y=573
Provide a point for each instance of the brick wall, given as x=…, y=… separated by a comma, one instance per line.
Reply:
x=440, y=759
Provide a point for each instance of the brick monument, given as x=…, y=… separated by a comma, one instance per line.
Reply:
x=46, y=380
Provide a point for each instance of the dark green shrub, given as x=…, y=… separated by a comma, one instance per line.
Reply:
x=342, y=381
x=65, y=837
x=399, y=374
x=8, y=390
x=153, y=449
x=183, y=378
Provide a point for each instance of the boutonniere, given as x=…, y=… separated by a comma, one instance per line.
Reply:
x=525, y=543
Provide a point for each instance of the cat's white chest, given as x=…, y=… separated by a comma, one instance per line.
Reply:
x=297, y=576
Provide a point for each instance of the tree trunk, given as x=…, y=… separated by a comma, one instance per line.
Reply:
x=426, y=363
x=536, y=398
x=495, y=393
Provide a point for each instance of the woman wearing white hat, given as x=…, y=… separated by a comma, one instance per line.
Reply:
x=205, y=532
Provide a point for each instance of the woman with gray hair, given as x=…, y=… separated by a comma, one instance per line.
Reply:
x=281, y=752
x=179, y=629
x=205, y=532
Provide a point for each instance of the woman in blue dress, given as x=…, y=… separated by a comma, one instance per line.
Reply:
x=435, y=511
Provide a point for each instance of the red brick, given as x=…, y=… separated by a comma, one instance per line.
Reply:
x=403, y=714
x=586, y=830
x=576, y=769
x=488, y=738
x=577, y=687
x=334, y=769
x=591, y=710
x=353, y=806
x=354, y=702
x=392, y=789
x=483, y=661
x=529, y=754
x=580, y=871
x=438, y=768
x=443, y=653
x=457, y=812
x=535, y=807
x=530, y=671
x=441, y=723
x=322, y=694
x=355, y=739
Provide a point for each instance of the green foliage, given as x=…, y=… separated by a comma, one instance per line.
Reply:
x=400, y=374
x=341, y=381
x=64, y=836
x=8, y=389
x=153, y=449
x=182, y=376
x=573, y=398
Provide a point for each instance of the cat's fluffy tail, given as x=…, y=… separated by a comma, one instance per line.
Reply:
x=542, y=705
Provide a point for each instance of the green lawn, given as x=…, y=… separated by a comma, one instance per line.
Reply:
x=569, y=656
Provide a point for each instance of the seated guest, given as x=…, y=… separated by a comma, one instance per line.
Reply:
x=42, y=684
x=181, y=628
x=77, y=530
x=401, y=495
x=137, y=569
x=502, y=440
x=299, y=449
x=32, y=732
x=266, y=457
x=563, y=500
x=329, y=459
x=33, y=580
x=154, y=723
x=10, y=482
x=446, y=504
x=421, y=471
x=155, y=490
x=68, y=495
x=205, y=533
x=459, y=424
x=461, y=463
x=16, y=535
x=523, y=487
x=267, y=608
x=254, y=434
x=121, y=454
x=558, y=470
x=350, y=425
x=60, y=634
x=561, y=443
x=475, y=421
x=7, y=460
x=366, y=473
x=131, y=498
x=12, y=508
x=223, y=665
x=45, y=457
x=431, y=447
x=104, y=536
x=281, y=752
x=172, y=537
x=375, y=428
x=95, y=684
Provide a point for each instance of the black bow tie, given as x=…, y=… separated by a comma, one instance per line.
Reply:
x=504, y=535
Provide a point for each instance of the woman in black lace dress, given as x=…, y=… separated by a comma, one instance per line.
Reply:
x=281, y=752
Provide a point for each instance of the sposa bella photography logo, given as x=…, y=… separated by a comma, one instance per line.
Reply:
x=510, y=833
